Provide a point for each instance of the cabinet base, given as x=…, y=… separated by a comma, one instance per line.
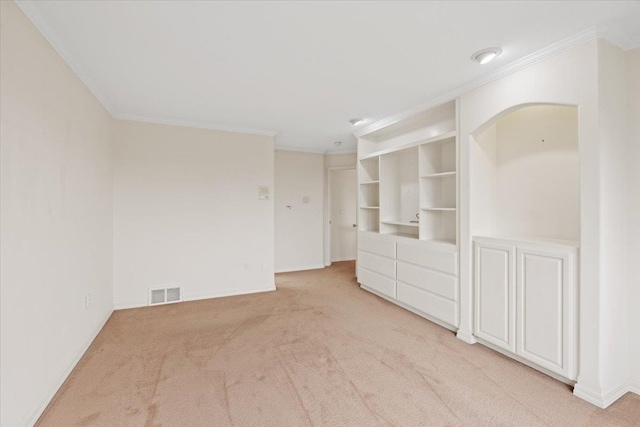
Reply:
x=517, y=358
x=466, y=337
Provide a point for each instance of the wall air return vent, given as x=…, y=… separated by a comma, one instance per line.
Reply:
x=158, y=296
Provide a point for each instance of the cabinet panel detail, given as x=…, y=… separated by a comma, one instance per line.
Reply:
x=377, y=245
x=495, y=290
x=428, y=280
x=544, y=292
x=446, y=262
x=377, y=264
x=430, y=304
x=377, y=282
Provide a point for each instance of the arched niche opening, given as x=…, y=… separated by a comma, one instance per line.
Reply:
x=525, y=174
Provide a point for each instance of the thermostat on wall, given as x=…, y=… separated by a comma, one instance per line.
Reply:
x=264, y=192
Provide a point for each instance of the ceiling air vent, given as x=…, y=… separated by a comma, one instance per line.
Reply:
x=158, y=296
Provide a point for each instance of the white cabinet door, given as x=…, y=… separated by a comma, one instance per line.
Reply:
x=495, y=294
x=545, y=287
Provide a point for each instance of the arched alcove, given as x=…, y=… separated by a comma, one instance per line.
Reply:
x=525, y=174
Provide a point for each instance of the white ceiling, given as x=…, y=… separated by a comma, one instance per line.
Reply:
x=301, y=69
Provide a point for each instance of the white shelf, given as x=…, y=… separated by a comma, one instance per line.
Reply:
x=443, y=241
x=405, y=235
x=445, y=137
x=411, y=167
x=439, y=175
x=440, y=139
x=403, y=223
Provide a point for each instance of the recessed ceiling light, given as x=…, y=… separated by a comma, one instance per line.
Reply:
x=338, y=143
x=356, y=122
x=484, y=56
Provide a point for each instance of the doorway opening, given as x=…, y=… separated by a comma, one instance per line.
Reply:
x=342, y=208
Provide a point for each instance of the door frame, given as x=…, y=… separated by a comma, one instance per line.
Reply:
x=327, y=219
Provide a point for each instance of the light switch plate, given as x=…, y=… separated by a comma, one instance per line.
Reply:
x=264, y=192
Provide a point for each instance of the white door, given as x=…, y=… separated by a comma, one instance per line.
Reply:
x=495, y=294
x=545, y=309
x=342, y=200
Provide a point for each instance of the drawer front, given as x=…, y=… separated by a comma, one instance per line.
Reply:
x=377, y=264
x=378, y=246
x=446, y=262
x=377, y=282
x=439, y=308
x=429, y=280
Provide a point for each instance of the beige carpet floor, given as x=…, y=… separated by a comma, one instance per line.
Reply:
x=318, y=351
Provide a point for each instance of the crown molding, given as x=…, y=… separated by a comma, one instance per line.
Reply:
x=32, y=13
x=338, y=152
x=524, y=62
x=313, y=150
x=198, y=125
x=299, y=149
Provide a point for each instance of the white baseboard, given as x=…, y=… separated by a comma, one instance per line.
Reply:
x=601, y=400
x=125, y=306
x=31, y=420
x=634, y=388
x=308, y=267
x=229, y=294
x=466, y=337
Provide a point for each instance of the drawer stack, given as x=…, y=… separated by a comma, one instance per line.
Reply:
x=377, y=264
x=415, y=274
x=427, y=280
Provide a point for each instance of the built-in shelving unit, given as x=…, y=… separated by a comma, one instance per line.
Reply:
x=408, y=175
x=408, y=244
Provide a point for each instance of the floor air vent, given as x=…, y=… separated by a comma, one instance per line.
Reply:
x=159, y=296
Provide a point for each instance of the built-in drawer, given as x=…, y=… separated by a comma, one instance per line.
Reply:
x=428, y=280
x=377, y=245
x=377, y=282
x=432, y=305
x=377, y=263
x=440, y=260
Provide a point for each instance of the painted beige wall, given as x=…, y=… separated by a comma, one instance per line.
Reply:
x=187, y=213
x=614, y=187
x=633, y=236
x=56, y=218
x=298, y=237
x=343, y=160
